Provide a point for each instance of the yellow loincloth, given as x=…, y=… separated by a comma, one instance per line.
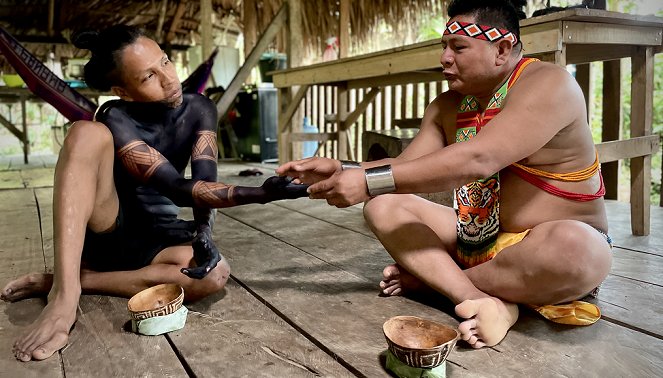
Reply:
x=572, y=313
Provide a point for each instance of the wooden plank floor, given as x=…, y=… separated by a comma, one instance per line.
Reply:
x=303, y=301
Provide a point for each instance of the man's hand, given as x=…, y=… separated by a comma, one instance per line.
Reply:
x=311, y=170
x=343, y=189
x=278, y=188
x=205, y=254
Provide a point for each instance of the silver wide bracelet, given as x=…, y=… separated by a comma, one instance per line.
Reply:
x=349, y=164
x=380, y=180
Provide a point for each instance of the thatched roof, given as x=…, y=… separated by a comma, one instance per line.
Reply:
x=29, y=20
x=320, y=17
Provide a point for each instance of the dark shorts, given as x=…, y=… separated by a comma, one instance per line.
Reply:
x=131, y=245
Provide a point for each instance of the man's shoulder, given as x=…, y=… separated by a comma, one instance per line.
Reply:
x=108, y=109
x=540, y=73
x=197, y=99
x=446, y=102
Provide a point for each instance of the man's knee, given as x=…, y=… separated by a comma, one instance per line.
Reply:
x=87, y=139
x=380, y=210
x=214, y=282
x=581, y=252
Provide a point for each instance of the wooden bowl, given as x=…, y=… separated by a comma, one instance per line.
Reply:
x=418, y=342
x=158, y=300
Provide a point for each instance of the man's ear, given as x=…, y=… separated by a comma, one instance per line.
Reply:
x=504, y=50
x=121, y=93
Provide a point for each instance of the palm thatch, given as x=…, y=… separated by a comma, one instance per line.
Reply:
x=320, y=19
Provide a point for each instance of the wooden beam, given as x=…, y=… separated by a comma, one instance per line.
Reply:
x=582, y=32
x=162, y=17
x=628, y=148
x=175, y=24
x=295, y=44
x=206, y=14
x=344, y=149
x=642, y=89
x=361, y=107
x=265, y=39
x=250, y=25
x=293, y=105
x=12, y=129
x=344, y=29
x=612, y=122
x=51, y=17
x=304, y=137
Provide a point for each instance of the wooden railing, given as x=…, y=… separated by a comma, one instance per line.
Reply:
x=393, y=106
x=574, y=36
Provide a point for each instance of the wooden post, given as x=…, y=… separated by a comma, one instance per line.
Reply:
x=612, y=123
x=175, y=24
x=26, y=142
x=162, y=18
x=235, y=85
x=584, y=79
x=344, y=29
x=642, y=88
x=250, y=25
x=341, y=117
x=294, y=51
x=206, y=14
x=51, y=17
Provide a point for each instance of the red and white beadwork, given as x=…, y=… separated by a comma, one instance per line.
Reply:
x=483, y=32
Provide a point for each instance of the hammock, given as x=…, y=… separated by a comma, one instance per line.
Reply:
x=74, y=106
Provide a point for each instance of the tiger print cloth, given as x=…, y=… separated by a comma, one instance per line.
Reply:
x=477, y=203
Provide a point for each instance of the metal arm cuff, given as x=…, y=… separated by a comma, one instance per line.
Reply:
x=380, y=180
x=349, y=164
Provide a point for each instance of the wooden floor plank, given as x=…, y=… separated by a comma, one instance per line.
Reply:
x=98, y=340
x=20, y=252
x=351, y=251
x=330, y=301
x=339, y=308
x=100, y=344
x=349, y=217
x=634, y=303
x=45, y=202
x=639, y=266
x=236, y=328
x=619, y=223
x=11, y=180
x=37, y=178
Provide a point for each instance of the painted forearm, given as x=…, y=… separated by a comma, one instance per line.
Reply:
x=204, y=168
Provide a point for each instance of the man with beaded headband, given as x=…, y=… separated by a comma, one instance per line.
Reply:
x=118, y=184
x=510, y=136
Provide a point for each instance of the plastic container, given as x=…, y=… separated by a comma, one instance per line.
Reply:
x=13, y=80
x=309, y=147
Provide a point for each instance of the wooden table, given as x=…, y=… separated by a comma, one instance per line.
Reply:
x=11, y=95
x=573, y=36
x=17, y=95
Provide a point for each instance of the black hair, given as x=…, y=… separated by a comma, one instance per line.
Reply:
x=101, y=71
x=503, y=14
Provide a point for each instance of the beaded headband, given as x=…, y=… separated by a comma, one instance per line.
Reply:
x=483, y=32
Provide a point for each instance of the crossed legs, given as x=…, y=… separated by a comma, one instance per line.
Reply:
x=84, y=196
x=558, y=261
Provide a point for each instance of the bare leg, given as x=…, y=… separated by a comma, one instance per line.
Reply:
x=28, y=286
x=418, y=234
x=84, y=195
x=557, y=262
x=164, y=269
x=534, y=271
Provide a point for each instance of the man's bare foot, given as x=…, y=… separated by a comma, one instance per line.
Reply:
x=489, y=319
x=49, y=333
x=398, y=281
x=28, y=286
